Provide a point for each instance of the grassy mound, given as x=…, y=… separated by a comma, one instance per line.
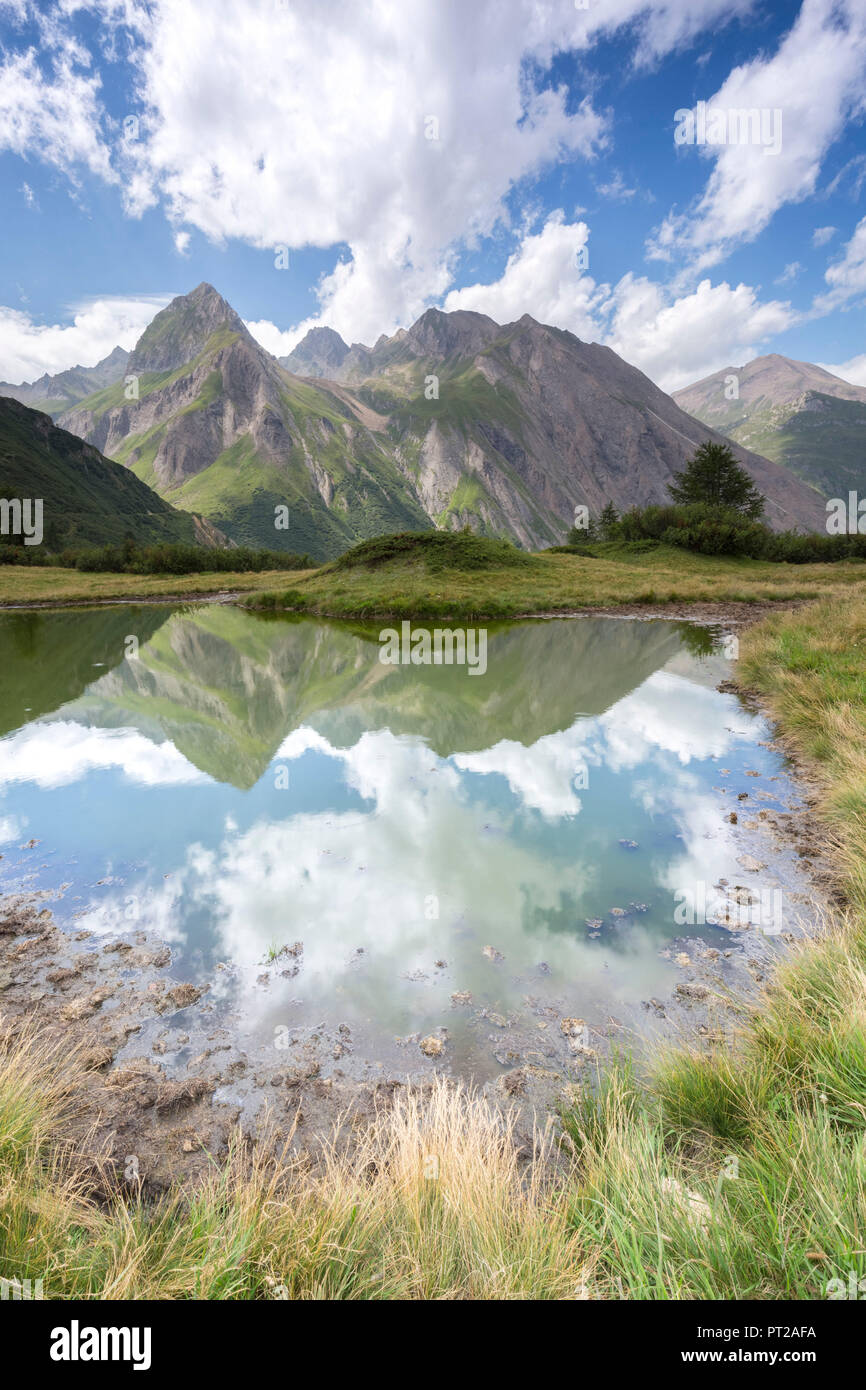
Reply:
x=435, y=550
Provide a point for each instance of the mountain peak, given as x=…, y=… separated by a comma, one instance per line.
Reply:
x=797, y=413
x=461, y=332
x=321, y=352
x=180, y=331
x=775, y=377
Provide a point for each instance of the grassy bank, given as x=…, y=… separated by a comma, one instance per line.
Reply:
x=455, y=575
x=475, y=579
x=25, y=584
x=718, y=1175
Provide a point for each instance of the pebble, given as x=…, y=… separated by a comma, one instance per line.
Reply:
x=692, y=991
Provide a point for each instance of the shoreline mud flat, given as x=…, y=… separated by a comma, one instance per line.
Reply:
x=735, y=614
x=168, y=1072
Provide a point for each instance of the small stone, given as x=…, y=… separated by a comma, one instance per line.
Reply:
x=690, y=990
x=461, y=996
x=750, y=863
x=83, y=1008
x=572, y=1027
x=507, y=1059
x=492, y=954
x=697, y=1210
x=183, y=995
x=96, y=1058
x=62, y=976
x=513, y=1083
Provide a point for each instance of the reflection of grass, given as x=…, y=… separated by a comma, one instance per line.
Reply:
x=697, y=640
x=734, y=1173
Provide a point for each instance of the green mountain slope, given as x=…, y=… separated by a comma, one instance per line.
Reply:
x=796, y=413
x=86, y=499
x=529, y=421
x=456, y=421
x=219, y=427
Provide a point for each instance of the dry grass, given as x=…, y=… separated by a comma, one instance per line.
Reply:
x=429, y=1201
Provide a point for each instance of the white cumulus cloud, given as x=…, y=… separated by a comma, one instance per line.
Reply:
x=29, y=348
x=816, y=81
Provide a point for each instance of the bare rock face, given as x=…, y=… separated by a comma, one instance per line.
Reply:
x=454, y=421
x=552, y=422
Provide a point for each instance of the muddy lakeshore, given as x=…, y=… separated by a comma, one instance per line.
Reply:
x=168, y=1073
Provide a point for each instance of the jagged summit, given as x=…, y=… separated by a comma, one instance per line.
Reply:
x=462, y=332
x=524, y=422
x=321, y=352
x=182, y=329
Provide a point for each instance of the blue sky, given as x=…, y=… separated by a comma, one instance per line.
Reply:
x=509, y=156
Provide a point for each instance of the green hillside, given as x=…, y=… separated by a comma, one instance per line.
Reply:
x=87, y=499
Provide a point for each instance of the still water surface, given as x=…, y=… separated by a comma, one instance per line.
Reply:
x=246, y=783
